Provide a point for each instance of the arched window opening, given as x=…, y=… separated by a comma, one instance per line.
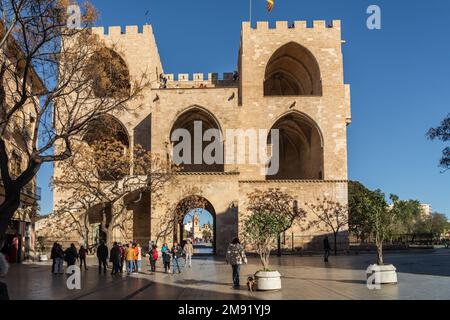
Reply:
x=110, y=74
x=185, y=151
x=300, y=149
x=292, y=71
x=109, y=140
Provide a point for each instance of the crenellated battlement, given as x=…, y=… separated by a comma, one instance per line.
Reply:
x=296, y=25
x=198, y=80
x=120, y=31
x=199, y=77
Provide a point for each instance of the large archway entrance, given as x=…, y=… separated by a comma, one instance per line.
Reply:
x=195, y=219
x=198, y=227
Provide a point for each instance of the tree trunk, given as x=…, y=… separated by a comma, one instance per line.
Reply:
x=380, y=261
x=279, y=245
x=12, y=188
x=7, y=210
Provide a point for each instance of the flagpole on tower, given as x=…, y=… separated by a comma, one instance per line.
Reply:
x=250, y=13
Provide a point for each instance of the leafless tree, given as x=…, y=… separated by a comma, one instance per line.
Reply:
x=329, y=215
x=105, y=177
x=53, y=82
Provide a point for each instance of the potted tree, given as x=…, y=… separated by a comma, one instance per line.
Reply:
x=379, y=217
x=272, y=212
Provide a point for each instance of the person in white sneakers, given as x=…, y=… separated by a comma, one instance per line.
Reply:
x=188, y=251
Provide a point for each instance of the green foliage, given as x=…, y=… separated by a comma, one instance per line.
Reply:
x=272, y=213
x=435, y=224
x=264, y=227
x=41, y=243
x=261, y=230
x=442, y=133
x=357, y=217
x=370, y=215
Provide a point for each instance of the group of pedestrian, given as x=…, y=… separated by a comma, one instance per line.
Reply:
x=171, y=256
x=70, y=255
x=128, y=256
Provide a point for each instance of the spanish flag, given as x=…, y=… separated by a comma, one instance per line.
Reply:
x=270, y=4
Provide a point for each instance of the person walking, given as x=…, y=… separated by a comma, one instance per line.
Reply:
x=82, y=253
x=153, y=258
x=176, y=252
x=166, y=257
x=122, y=257
x=326, y=249
x=138, y=252
x=59, y=260
x=102, y=255
x=115, y=257
x=52, y=256
x=71, y=255
x=236, y=257
x=130, y=259
x=4, y=267
x=188, y=251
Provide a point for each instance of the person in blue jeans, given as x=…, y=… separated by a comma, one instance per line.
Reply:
x=236, y=257
x=176, y=253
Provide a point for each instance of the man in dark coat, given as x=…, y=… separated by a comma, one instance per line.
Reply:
x=82, y=253
x=102, y=255
x=71, y=255
x=326, y=249
x=115, y=257
x=53, y=256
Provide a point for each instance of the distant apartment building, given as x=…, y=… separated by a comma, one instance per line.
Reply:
x=426, y=209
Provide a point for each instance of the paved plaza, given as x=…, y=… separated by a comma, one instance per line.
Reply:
x=421, y=274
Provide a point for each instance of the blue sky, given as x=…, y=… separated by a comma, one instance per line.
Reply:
x=204, y=215
x=399, y=75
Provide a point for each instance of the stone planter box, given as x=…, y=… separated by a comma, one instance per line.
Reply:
x=268, y=280
x=385, y=274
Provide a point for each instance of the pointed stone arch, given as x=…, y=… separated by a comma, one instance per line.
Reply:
x=301, y=148
x=292, y=71
x=186, y=120
x=110, y=73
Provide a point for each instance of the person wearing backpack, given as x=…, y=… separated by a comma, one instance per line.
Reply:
x=153, y=258
x=71, y=255
x=166, y=258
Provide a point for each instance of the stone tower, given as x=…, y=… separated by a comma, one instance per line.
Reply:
x=289, y=77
